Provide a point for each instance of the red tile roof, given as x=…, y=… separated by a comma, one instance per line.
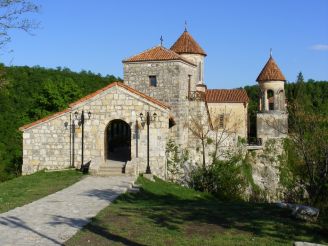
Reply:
x=271, y=72
x=83, y=99
x=222, y=96
x=186, y=44
x=158, y=53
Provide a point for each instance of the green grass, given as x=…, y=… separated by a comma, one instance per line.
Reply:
x=167, y=214
x=25, y=189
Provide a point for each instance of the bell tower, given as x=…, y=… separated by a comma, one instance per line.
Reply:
x=272, y=117
x=188, y=48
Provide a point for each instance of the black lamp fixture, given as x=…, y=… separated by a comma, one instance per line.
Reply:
x=148, y=120
x=80, y=122
x=154, y=116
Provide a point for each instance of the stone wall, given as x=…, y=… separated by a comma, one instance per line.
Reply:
x=198, y=60
x=47, y=145
x=266, y=163
x=235, y=116
x=172, y=88
x=271, y=124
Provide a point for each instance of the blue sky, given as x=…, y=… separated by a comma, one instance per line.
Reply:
x=237, y=36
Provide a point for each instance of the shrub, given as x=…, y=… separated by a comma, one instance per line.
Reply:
x=224, y=179
x=176, y=157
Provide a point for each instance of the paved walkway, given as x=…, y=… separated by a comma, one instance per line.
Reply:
x=55, y=218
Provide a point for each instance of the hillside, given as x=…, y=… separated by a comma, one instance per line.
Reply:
x=30, y=93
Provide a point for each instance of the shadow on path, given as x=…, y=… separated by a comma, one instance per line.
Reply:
x=103, y=194
x=96, y=229
x=14, y=222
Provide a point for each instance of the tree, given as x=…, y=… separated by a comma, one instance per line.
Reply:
x=13, y=16
x=200, y=127
x=216, y=130
x=308, y=142
x=300, y=78
x=224, y=132
x=176, y=158
x=253, y=93
x=301, y=96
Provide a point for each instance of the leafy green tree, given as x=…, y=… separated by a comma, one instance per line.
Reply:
x=308, y=149
x=253, y=93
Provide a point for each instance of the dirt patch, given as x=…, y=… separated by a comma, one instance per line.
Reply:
x=112, y=229
x=119, y=220
x=203, y=229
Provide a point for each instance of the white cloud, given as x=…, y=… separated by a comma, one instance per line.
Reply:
x=320, y=47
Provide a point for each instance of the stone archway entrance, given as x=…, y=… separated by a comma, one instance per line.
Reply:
x=118, y=141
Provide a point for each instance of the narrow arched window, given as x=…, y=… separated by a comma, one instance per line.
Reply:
x=200, y=71
x=271, y=99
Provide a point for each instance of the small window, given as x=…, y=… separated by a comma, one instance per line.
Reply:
x=153, y=81
x=221, y=120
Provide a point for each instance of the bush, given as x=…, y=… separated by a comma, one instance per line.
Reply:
x=224, y=179
x=176, y=158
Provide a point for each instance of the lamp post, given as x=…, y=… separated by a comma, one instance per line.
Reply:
x=80, y=122
x=148, y=120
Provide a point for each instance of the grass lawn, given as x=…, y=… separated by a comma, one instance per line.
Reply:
x=166, y=214
x=26, y=189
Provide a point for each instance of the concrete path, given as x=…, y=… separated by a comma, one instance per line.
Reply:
x=54, y=219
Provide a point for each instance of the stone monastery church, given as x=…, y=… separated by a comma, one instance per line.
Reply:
x=127, y=125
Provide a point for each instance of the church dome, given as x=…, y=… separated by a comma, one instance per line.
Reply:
x=186, y=44
x=270, y=72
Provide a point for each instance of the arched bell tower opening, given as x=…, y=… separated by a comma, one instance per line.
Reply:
x=271, y=99
x=118, y=141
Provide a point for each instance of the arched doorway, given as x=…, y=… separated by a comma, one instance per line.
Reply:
x=118, y=141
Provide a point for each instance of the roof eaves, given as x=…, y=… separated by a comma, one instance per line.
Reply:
x=151, y=99
x=45, y=119
x=161, y=60
x=92, y=95
x=242, y=96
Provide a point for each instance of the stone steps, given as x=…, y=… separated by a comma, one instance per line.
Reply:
x=110, y=173
x=112, y=169
x=117, y=169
